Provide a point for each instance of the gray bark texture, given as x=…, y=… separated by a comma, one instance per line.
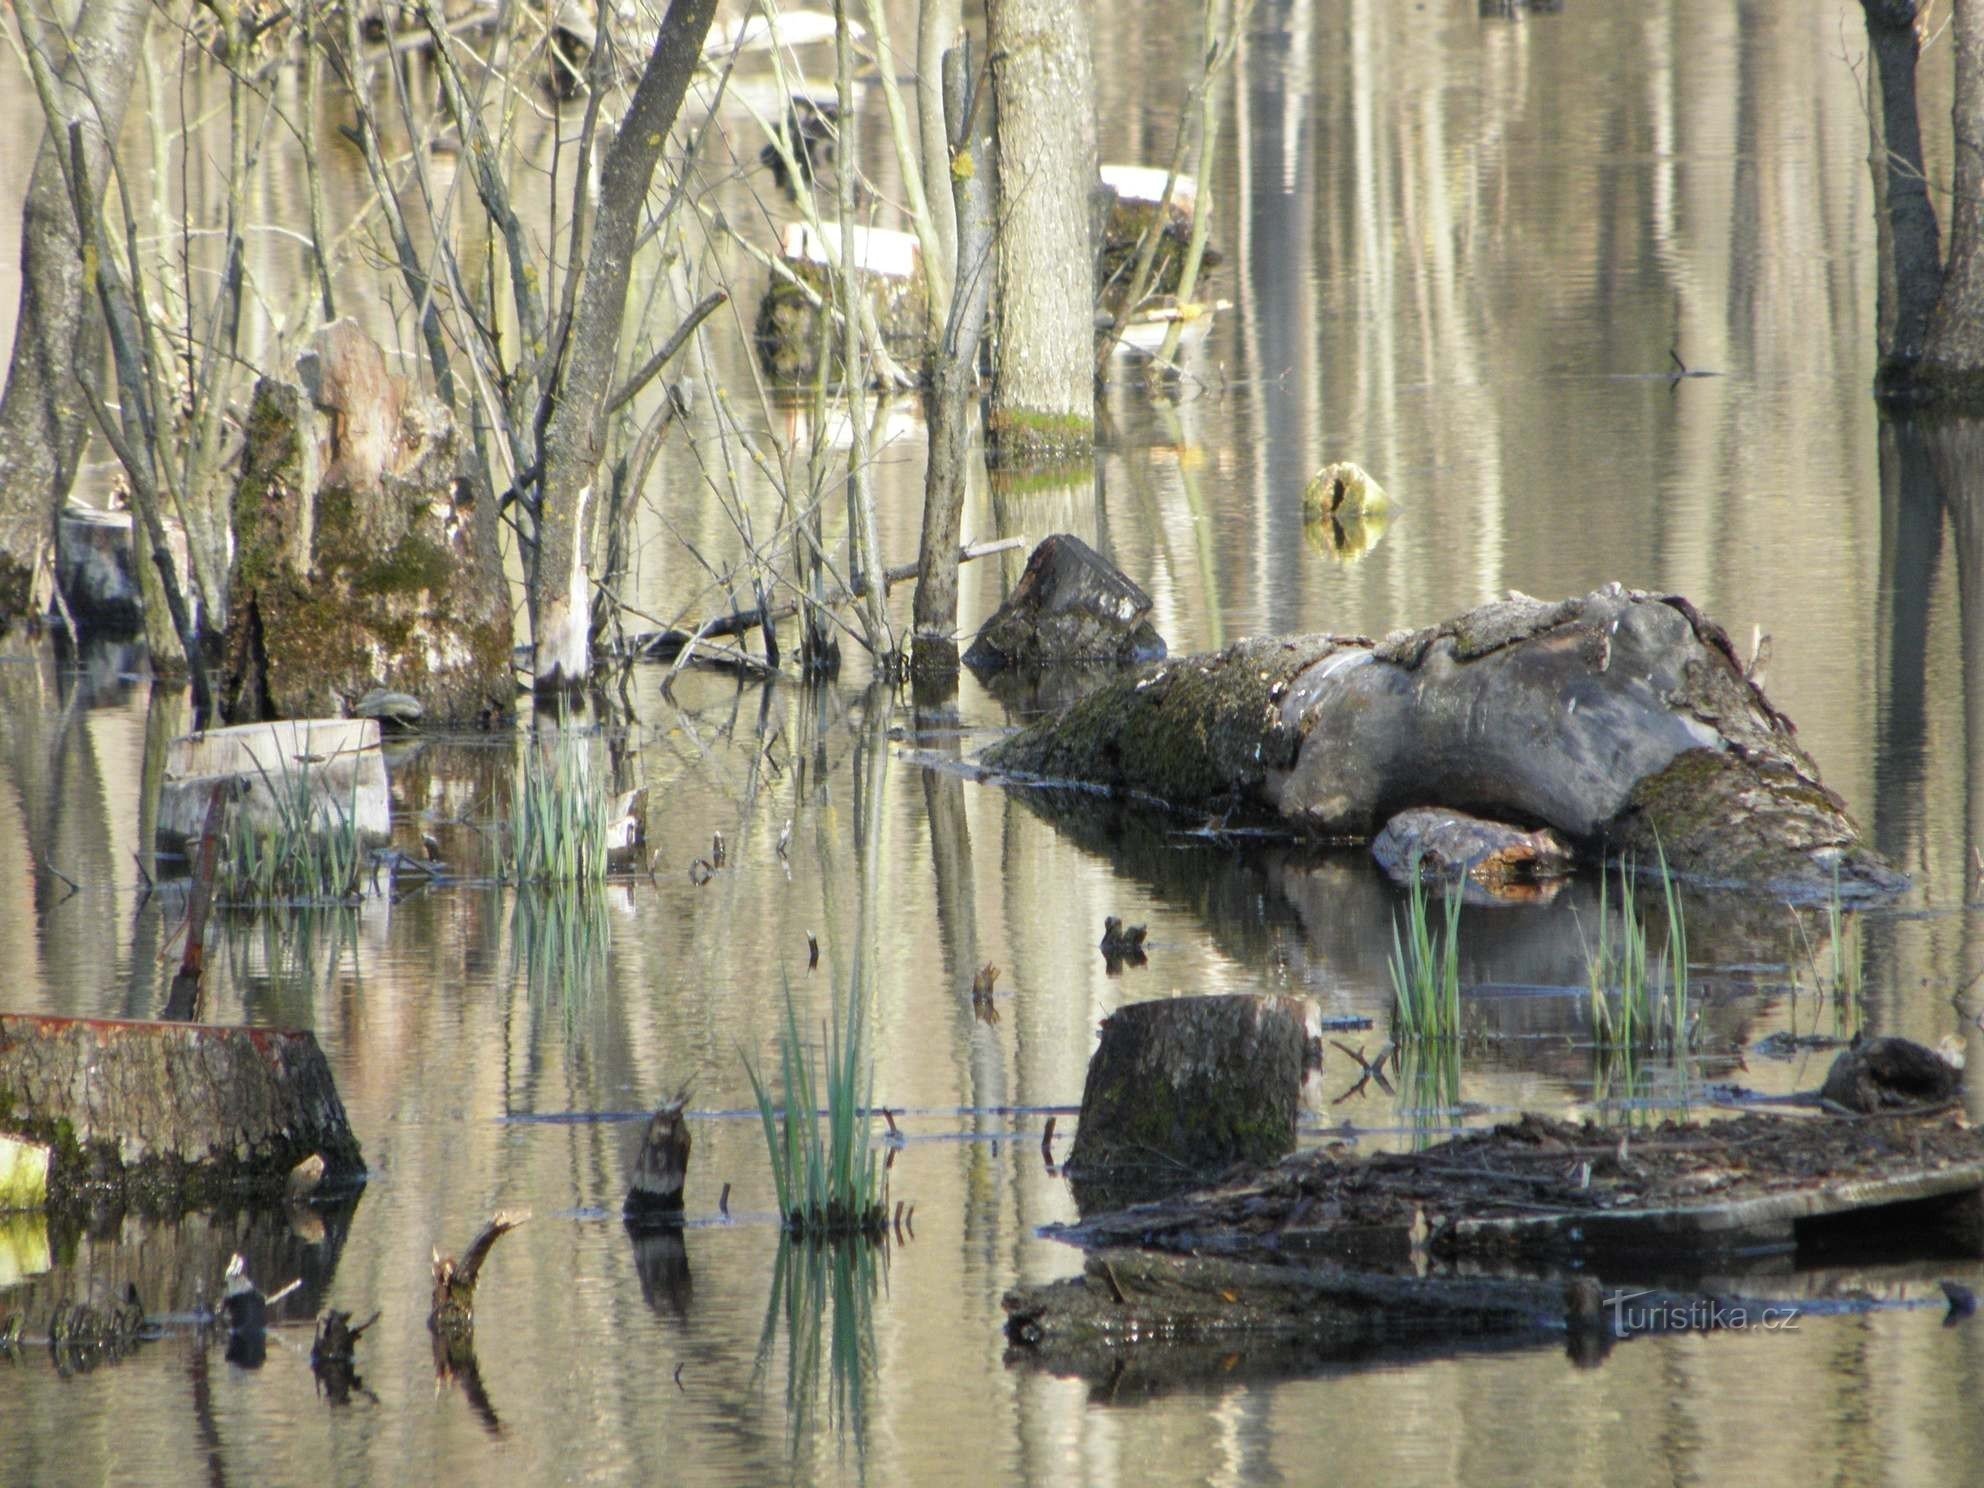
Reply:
x=955, y=373
x=1621, y=719
x=1043, y=385
x=43, y=416
x=575, y=436
x=172, y=1115
x=1911, y=267
x=1954, y=353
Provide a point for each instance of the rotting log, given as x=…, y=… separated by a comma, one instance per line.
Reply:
x=161, y=1117
x=335, y=762
x=1624, y=720
x=1181, y=1089
x=1070, y=604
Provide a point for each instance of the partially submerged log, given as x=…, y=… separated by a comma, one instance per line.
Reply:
x=1183, y=1088
x=333, y=764
x=1539, y=1191
x=800, y=299
x=1623, y=720
x=1070, y=604
x=361, y=561
x=166, y=1116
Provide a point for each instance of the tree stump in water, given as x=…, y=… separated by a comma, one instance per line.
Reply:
x=1180, y=1090
x=655, y=1195
x=1621, y=719
x=1071, y=604
x=360, y=560
x=164, y=1116
x=1890, y=1074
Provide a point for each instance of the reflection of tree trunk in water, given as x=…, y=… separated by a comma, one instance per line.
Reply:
x=203, y=1415
x=980, y=1055
x=52, y=766
x=1956, y=459
x=1911, y=549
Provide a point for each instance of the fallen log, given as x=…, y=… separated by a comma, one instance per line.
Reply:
x=1623, y=720
x=161, y=1117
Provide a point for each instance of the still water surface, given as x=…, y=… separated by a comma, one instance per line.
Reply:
x=1459, y=250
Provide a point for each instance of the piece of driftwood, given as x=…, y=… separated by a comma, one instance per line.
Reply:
x=164, y=1116
x=1183, y=1088
x=1623, y=720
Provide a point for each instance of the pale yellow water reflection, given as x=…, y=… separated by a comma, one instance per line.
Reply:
x=1460, y=251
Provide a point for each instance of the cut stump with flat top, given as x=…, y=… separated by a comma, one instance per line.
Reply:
x=172, y=1116
x=1184, y=1088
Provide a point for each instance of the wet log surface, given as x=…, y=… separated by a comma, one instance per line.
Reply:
x=1498, y=1236
x=1621, y=719
x=161, y=1117
x=1544, y=1191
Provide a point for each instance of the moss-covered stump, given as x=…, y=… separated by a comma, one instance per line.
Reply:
x=161, y=1117
x=361, y=560
x=1623, y=720
x=1184, y=1088
x=795, y=332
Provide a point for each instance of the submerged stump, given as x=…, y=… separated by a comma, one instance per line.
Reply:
x=1622, y=720
x=1181, y=1089
x=168, y=1116
x=1071, y=604
x=361, y=561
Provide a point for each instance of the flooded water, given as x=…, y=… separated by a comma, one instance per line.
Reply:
x=1461, y=250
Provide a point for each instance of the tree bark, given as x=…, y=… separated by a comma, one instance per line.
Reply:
x=1953, y=354
x=575, y=435
x=1043, y=388
x=43, y=416
x=955, y=375
x=1621, y=719
x=1911, y=266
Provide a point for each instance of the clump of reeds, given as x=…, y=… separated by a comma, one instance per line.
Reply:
x=1639, y=1001
x=1425, y=966
x=300, y=855
x=828, y=1175
x=560, y=817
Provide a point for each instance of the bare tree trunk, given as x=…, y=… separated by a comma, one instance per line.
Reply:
x=1043, y=389
x=43, y=416
x=575, y=437
x=956, y=364
x=1911, y=268
x=1953, y=355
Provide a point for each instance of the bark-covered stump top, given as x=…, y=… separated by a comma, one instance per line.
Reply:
x=1184, y=1088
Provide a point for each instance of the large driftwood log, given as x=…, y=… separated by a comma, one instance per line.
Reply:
x=1622, y=719
x=164, y=1116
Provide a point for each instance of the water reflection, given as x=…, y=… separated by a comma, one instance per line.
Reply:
x=822, y=1308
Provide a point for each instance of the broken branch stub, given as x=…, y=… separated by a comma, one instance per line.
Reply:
x=1621, y=719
